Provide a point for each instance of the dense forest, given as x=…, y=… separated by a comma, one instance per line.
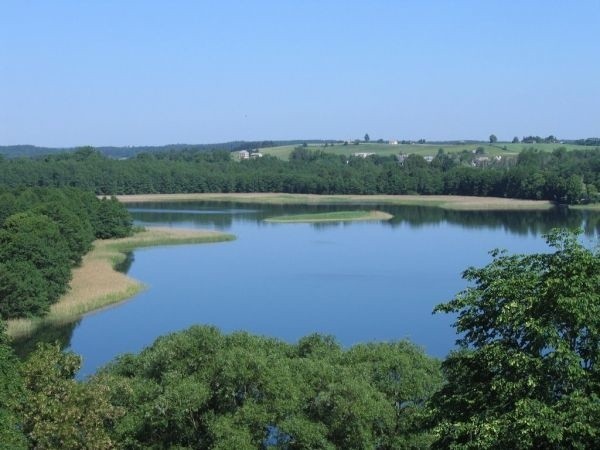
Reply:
x=524, y=375
x=43, y=234
x=561, y=176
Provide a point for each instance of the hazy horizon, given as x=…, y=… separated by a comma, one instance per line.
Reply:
x=150, y=73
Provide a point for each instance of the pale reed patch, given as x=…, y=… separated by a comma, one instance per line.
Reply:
x=443, y=201
x=96, y=284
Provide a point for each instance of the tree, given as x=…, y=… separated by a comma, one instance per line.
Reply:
x=22, y=290
x=112, y=219
x=202, y=389
x=367, y=137
x=59, y=412
x=526, y=374
x=35, y=239
x=515, y=140
x=493, y=139
x=11, y=436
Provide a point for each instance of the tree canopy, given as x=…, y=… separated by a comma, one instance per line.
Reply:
x=526, y=374
x=43, y=234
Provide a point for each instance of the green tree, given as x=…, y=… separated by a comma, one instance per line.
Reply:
x=75, y=229
x=367, y=137
x=11, y=391
x=23, y=290
x=59, y=412
x=202, y=389
x=112, y=220
x=515, y=140
x=527, y=373
x=493, y=139
x=36, y=239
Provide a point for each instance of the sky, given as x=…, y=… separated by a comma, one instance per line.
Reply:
x=159, y=72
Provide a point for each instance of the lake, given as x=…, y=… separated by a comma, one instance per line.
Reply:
x=359, y=281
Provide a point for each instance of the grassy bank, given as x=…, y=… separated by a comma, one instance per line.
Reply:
x=96, y=284
x=442, y=201
x=337, y=216
x=588, y=207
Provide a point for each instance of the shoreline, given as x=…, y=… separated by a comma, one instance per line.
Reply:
x=465, y=203
x=338, y=216
x=97, y=284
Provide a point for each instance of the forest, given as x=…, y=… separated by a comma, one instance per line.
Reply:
x=568, y=177
x=43, y=234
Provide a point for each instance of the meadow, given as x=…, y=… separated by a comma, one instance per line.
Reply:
x=498, y=149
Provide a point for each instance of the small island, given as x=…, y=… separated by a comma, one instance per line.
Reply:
x=336, y=216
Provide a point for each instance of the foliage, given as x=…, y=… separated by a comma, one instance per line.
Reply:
x=58, y=412
x=29, y=238
x=11, y=391
x=112, y=220
x=200, y=388
x=526, y=374
x=44, y=232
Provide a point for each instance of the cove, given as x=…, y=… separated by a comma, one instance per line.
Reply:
x=359, y=281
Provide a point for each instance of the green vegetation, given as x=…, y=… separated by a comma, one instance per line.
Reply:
x=384, y=149
x=525, y=376
x=43, y=234
x=560, y=176
x=337, y=216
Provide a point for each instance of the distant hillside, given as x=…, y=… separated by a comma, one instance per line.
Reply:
x=28, y=151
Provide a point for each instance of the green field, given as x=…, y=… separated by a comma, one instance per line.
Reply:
x=337, y=216
x=283, y=152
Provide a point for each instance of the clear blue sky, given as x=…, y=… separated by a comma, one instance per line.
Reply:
x=149, y=72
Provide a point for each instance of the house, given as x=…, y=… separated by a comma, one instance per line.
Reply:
x=428, y=158
x=480, y=161
x=362, y=154
x=394, y=142
x=401, y=158
x=256, y=155
x=243, y=154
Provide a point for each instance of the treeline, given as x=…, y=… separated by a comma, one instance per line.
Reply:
x=594, y=142
x=43, y=234
x=200, y=389
x=561, y=176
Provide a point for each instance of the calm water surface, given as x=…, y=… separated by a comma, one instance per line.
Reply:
x=359, y=281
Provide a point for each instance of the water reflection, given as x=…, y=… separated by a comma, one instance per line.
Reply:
x=204, y=214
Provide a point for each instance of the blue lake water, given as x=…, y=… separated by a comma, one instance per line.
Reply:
x=359, y=281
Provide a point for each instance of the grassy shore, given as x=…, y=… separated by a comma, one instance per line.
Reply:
x=442, y=201
x=588, y=207
x=96, y=284
x=337, y=216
